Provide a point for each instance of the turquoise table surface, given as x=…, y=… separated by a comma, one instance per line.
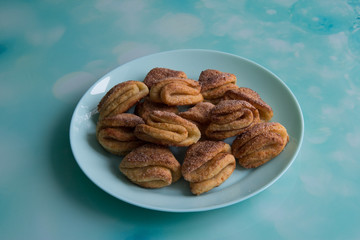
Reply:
x=51, y=52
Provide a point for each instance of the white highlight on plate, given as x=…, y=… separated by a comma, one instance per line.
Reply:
x=101, y=86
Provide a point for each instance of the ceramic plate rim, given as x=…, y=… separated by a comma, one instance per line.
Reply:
x=95, y=180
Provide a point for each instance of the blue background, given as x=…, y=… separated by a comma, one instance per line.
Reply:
x=51, y=52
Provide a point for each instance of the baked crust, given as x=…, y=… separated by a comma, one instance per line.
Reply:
x=121, y=98
x=151, y=166
x=207, y=164
x=144, y=108
x=168, y=129
x=116, y=133
x=259, y=144
x=230, y=118
x=156, y=74
x=199, y=114
x=175, y=91
x=249, y=95
x=215, y=83
x=217, y=109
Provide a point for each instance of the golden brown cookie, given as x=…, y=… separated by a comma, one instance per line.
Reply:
x=215, y=83
x=199, y=114
x=121, y=98
x=143, y=109
x=168, y=129
x=156, y=74
x=249, y=95
x=207, y=164
x=176, y=92
x=230, y=118
x=260, y=144
x=116, y=133
x=151, y=166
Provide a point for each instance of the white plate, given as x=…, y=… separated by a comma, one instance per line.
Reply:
x=102, y=167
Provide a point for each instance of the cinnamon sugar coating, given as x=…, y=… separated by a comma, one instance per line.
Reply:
x=166, y=128
x=175, y=91
x=151, y=166
x=199, y=114
x=249, y=95
x=156, y=74
x=143, y=109
x=116, y=133
x=260, y=144
x=207, y=164
x=231, y=117
x=217, y=109
x=215, y=83
x=121, y=98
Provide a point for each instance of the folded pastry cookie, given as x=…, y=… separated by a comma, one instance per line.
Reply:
x=176, y=91
x=169, y=129
x=151, y=166
x=260, y=144
x=121, y=98
x=207, y=164
x=230, y=118
x=143, y=109
x=199, y=114
x=215, y=83
x=156, y=74
x=249, y=95
x=116, y=133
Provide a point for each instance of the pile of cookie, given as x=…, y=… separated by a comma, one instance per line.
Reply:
x=214, y=109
